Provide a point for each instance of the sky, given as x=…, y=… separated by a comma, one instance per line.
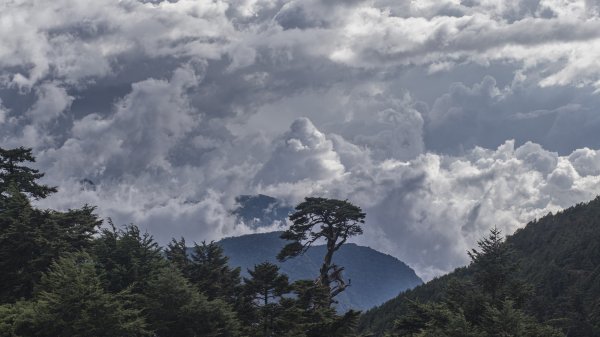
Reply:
x=440, y=118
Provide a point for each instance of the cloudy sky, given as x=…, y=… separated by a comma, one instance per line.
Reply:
x=441, y=118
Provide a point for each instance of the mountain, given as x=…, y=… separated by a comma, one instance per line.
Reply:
x=375, y=277
x=559, y=257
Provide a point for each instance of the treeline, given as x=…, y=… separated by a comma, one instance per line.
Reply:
x=64, y=274
x=488, y=300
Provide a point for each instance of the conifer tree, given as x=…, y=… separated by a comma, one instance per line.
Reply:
x=23, y=177
x=266, y=287
x=494, y=263
x=176, y=253
x=30, y=239
x=174, y=307
x=212, y=275
x=488, y=306
x=127, y=256
x=71, y=301
x=331, y=220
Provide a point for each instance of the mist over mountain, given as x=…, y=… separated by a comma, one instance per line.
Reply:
x=375, y=277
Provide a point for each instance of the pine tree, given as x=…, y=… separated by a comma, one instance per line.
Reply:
x=127, y=257
x=23, y=177
x=494, y=264
x=174, y=307
x=323, y=219
x=266, y=287
x=71, y=301
x=489, y=305
x=212, y=275
x=176, y=253
x=30, y=239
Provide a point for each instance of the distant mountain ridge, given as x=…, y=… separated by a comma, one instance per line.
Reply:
x=559, y=256
x=375, y=277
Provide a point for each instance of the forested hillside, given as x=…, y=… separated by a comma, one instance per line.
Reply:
x=376, y=277
x=558, y=258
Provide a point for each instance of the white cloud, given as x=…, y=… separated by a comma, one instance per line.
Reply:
x=303, y=153
x=52, y=101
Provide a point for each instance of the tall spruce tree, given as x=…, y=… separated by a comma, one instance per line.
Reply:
x=494, y=264
x=176, y=252
x=266, y=287
x=127, y=257
x=210, y=272
x=30, y=239
x=23, y=177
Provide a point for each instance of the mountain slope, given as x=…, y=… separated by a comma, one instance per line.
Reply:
x=376, y=277
x=559, y=256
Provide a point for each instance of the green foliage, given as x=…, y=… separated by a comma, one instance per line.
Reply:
x=23, y=178
x=212, y=275
x=174, y=307
x=30, y=239
x=127, y=257
x=495, y=267
x=176, y=253
x=70, y=301
x=434, y=319
x=265, y=288
x=484, y=300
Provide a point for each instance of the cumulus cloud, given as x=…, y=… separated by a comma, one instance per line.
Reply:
x=440, y=118
x=302, y=153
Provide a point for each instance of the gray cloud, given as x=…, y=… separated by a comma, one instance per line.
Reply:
x=440, y=118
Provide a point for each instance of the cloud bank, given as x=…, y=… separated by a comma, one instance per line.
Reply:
x=440, y=118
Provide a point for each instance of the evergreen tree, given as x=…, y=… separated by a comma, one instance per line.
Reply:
x=30, y=239
x=494, y=264
x=487, y=307
x=23, y=177
x=176, y=253
x=266, y=287
x=127, y=257
x=212, y=275
x=323, y=219
x=311, y=313
x=174, y=307
x=71, y=301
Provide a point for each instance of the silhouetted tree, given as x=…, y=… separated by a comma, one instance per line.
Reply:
x=23, y=177
x=331, y=220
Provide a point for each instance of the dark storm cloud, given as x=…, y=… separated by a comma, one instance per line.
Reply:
x=441, y=118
